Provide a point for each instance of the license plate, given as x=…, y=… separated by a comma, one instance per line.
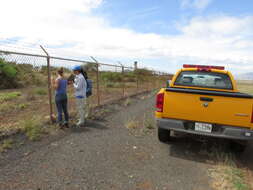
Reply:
x=203, y=127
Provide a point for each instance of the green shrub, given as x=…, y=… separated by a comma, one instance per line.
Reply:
x=109, y=85
x=33, y=129
x=14, y=75
x=8, y=70
x=41, y=91
x=111, y=77
x=22, y=106
x=7, y=144
x=9, y=96
x=149, y=122
x=113, y=85
x=8, y=74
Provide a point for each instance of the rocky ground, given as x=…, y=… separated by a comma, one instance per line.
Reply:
x=118, y=151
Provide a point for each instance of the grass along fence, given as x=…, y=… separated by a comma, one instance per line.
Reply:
x=26, y=92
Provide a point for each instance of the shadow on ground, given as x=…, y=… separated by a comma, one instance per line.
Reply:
x=88, y=125
x=209, y=150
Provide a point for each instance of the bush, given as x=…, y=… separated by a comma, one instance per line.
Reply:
x=7, y=144
x=14, y=75
x=8, y=70
x=111, y=77
x=8, y=73
x=113, y=85
x=33, y=129
x=41, y=91
x=9, y=96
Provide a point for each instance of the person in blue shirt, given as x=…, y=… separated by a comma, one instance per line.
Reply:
x=80, y=86
x=61, y=99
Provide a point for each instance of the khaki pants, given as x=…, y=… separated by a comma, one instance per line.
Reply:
x=81, y=108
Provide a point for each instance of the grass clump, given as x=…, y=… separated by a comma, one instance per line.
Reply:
x=41, y=91
x=6, y=107
x=33, y=129
x=226, y=174
x=238, y=179
x=9, y=96
x=127, y=102
x=148, y=122
x=131, y=124
x=7, y=144
x=22, y=106
x=113, y=85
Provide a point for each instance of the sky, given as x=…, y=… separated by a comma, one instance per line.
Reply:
x=162, y=34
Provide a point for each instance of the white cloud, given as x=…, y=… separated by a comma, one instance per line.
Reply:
x=72, y=27
x=196, y=4
x=201, y=4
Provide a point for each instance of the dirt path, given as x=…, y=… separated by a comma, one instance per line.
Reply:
x=107, y=155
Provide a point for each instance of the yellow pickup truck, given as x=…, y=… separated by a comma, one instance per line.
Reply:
x=204, y=100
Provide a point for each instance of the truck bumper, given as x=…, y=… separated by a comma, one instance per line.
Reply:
x=220, y=131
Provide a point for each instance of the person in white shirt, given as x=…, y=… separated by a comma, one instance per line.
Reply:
x=80, y=86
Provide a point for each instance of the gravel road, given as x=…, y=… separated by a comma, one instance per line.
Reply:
x=107, y=155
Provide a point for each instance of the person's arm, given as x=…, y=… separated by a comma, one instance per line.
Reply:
x=56, y=83
x=77, y=83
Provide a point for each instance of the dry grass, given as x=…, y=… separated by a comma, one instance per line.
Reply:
x=33, y=128
x=148, y=122
x=127, y=102
x=245, y=86
x=131, y=124
x=41, y=91
x=9, y=96
x=7, y=144
x=226, y=175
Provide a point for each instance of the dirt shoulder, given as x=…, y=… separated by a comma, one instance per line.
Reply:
x=107, y=154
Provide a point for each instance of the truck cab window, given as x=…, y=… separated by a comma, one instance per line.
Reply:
x=204, y=80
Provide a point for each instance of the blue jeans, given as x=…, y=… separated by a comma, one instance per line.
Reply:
x=61, y=101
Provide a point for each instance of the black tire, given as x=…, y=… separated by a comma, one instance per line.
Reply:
x=163, y=135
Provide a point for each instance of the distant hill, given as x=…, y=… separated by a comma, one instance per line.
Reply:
x=245, y=76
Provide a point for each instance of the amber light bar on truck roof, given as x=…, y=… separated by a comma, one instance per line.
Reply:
x=204, y=67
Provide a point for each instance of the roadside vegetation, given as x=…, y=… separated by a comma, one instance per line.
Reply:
x=245, y=87
x=141, y=126
x=24, y=95
x=33, y=128
x=226, y=175
x=6, y=145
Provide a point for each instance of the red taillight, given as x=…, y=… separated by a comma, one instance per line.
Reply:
x=159, y=102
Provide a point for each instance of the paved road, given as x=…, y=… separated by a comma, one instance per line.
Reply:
x=106, y=155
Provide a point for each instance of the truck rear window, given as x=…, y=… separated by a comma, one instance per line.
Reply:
x=204, y=80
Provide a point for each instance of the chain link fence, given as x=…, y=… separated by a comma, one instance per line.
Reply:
x=26, y=85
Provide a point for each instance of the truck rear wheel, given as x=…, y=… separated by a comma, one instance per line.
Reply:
x=163, y=135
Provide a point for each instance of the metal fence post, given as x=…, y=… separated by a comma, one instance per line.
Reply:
x=49, y=85
x=97, y=78
x=123, y=82
x=137, y=82
x=98, y=89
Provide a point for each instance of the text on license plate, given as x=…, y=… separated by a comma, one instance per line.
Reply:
x=203, y=127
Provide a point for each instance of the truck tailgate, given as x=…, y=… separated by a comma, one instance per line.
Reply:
x=212, y=107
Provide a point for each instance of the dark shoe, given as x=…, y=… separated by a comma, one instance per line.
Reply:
x=66, y=124
x=60, y=124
